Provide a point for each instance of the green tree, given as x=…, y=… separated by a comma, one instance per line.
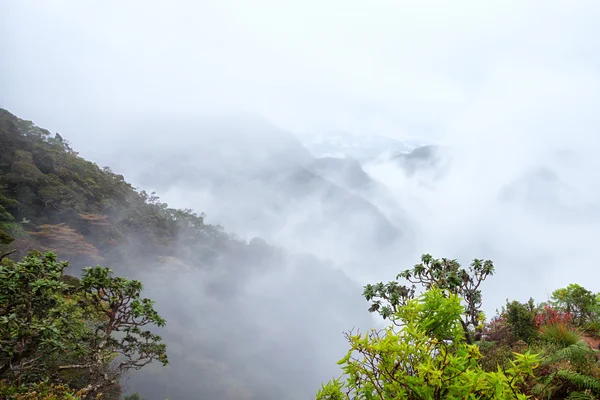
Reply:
x=31, y=323
x=520, y=318
x=121, y=333
x=135, y=396
x=86, y=334
x=577, y=300
x=440, y=273
x=426, y=358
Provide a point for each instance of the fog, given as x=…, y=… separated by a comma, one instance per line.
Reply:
x=235, y=108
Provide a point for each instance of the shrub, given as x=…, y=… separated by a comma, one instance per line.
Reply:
x=559, y=334
x=592, y=328
x=550, y=316
x=569, y=372
x=38, y=391
x=520, y=318
x=577, y=300
x=427, y=358
x=494, y=355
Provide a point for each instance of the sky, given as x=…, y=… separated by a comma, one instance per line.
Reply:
x=512, y=87
x=379, y=67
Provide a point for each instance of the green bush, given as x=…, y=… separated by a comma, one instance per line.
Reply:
x=37, y=391
x=494, y=355
x=520, y=317
x=592, y=328
x=428, y=358
x=559, y=334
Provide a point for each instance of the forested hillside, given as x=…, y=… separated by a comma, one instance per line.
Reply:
x=53, y=199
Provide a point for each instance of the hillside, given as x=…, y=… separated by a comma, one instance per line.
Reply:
x=52, y=198
x=213, y=289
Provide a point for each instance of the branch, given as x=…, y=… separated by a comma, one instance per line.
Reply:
x=7, y=254
x=76, y=366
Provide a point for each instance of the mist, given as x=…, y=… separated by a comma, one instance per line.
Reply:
x=291, y=122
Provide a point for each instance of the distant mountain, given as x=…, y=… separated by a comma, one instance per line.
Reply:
x=258, y=180
x=344, y=172
x=358, y=147
x=542, y=192
x=537, y=187
x=430, y=158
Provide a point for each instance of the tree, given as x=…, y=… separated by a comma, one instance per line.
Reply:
x=520, y=317
x=86, y=334
x=415, y=361
x=6, y=220
x=577, y=300
x=31, y=324
x=444, y=274
x=118, y=300
x=135, y=396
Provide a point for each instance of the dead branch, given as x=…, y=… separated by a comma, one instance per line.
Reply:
x=7, y=254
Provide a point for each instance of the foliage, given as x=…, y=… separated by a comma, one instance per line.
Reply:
x=497, y=330
x=427, y=358
x=134, y=396
x=559, y=334
x=442, y=273
x=86, y=334
x=580, y=380
x=592, y=328
x=520, y=317
x=571, y=371
x=577, y=353
x=549, y=315
x=494, y=355
x=118, y=300
x=576, y=300
x=38, y=391
x=569, y=367
x=32, y=324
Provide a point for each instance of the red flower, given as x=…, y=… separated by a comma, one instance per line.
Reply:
x=550, y=316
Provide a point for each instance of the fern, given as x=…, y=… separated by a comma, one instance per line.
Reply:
x=580, y=380
x=577, y=353
x=580, y=396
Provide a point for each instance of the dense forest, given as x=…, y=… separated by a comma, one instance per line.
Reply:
x=72, y=329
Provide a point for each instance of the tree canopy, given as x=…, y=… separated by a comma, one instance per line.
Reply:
x=83, y=332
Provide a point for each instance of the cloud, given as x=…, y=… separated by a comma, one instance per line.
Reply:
x=530, y=131
x=387, y=66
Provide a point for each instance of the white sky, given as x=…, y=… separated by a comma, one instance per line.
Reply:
x=392, y=67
